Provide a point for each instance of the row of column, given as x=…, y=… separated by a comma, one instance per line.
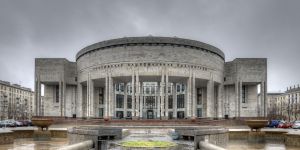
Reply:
x=214, y=102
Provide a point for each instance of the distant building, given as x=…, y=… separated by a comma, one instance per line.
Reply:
x=151, y=78
x=16, y=102
x=285, y=105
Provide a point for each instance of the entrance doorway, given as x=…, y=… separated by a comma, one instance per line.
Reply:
x=150, y=114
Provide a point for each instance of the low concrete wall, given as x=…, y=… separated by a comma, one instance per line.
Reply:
x=292, y=140
x=217, y=136
x=289, y=139
x=86, y=145
x=98, y=134
x=6, y=137
x=208, y=146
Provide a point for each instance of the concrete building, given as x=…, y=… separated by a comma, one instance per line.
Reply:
x=151, y=78
x=285, y=105
x=16, y=102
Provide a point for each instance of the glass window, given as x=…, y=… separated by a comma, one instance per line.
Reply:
x=129, y=102
x=244, y=94
x=183, y=88
x=199, y=97
x=180, y=101
x=117, y=87
x=57, y=93
x=101, y=100
x=170, y=100
x=178, y=88
x=122, y=87
x=199, y=112
x=128, y=114
x=120, y=101
x=169, y=89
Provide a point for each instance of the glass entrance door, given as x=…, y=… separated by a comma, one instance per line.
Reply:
x=150, y=114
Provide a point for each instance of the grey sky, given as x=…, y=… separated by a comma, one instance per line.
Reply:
x=60, y=28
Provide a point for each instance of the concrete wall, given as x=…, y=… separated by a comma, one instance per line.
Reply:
x=51, y=72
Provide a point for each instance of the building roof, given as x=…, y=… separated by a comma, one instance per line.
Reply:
x=150, y=40
x=15, y=86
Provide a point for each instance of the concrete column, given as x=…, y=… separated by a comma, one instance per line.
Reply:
x=240, y=98
x=92, y=109
x=236, y=98
x=64, y=98
x=162, y=98
x=137, y=95
x=210, y=100
x=79, y=101
x=106, y=104
x=37, y=95
x=141, y=100
x=110, y=104
x=112, y=95
x=125, y=100
x=220, y=101
x=167, y=96
x=158, y=101
x=189, y=96
x=194, y=105
x=133, y=96
x=88, y=97
x=174, y=101
x=262, y=99
x=60, y=89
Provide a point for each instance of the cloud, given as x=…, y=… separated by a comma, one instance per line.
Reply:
x=256, y=28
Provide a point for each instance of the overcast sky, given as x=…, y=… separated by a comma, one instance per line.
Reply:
x=240, y=28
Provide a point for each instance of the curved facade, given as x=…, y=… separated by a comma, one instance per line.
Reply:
x=148, y=78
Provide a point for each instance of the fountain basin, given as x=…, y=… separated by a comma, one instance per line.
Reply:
x=42, y=122
x=256, y=124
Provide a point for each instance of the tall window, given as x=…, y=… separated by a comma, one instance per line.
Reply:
x=57, y=93
x=120, y=101
x=180, y=101
x=129, y=102
x=170, y=100
x=199, y=97
x=244, y=94
x=101, y=101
